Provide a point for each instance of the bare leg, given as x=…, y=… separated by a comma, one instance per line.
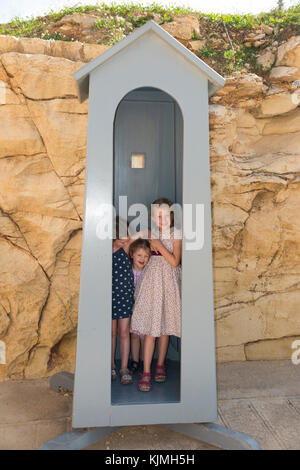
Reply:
x=135, y=347
x=142, y=340
x=124, y=336
x=113, y=342
x=148, y=350
x=163, y=344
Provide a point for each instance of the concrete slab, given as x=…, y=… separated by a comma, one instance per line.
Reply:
x=31, y=414
x=23, y=401
x=241, y=416
x=282, y=419
x=257, y=379
x=260, y=398
x=51, y=428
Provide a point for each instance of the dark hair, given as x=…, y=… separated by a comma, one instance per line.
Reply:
x=118, y=222
x=137, y=244
x=164, y=201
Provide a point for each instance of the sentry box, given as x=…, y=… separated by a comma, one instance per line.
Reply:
x=148, y=137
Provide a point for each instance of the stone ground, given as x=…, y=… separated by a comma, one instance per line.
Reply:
x=260, y=398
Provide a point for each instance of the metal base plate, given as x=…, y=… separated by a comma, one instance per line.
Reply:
x=211, y=433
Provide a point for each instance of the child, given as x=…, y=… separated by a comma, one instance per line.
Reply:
x=140, y=252
x=122, y=303
x=157, y=307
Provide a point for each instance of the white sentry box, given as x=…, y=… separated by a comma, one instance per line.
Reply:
x=149, y=59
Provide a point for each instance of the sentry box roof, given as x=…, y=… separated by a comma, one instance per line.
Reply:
x=215, y=80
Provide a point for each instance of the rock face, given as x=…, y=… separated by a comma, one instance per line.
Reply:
x=255, y=188
x=184, y=28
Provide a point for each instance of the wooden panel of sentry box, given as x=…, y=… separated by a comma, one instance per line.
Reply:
x=149, y=57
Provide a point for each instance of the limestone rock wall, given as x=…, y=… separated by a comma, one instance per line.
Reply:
x=255, y=184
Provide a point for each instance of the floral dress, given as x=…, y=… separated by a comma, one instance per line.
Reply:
x=157, y=306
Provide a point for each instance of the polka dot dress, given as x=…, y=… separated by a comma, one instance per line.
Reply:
x=122, y=285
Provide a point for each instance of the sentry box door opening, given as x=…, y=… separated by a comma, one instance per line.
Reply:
x=148, y=152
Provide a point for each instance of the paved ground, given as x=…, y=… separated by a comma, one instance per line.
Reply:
x=260, y=398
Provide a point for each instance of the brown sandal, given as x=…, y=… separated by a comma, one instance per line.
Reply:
x=145, y=382
x=160, y=374
x=125, y=377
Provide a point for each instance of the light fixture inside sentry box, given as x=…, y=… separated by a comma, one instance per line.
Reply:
x=137, y=160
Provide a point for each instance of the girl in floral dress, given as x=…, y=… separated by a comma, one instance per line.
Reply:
x=157, y=307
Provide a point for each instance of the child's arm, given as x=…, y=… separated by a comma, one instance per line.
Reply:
x=172, y=258
x=127, y=246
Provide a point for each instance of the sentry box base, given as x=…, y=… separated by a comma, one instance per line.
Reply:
x=210, y=433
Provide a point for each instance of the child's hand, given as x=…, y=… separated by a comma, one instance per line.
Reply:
x=172, y=258
x=156, y=244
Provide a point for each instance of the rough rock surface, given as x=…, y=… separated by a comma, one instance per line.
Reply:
x=183, y=28
x=255, y=188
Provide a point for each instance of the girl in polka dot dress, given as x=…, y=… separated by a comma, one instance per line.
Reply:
x=122, y=303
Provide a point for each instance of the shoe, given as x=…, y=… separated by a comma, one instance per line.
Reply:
x=145, y=382
x=125, y=377
x=134, y=367
x=160, y=374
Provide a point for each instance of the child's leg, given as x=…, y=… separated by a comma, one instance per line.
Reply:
x=135, y=347
x=163, y=344
x=148, y=350
x=124, y=337
x=113, y=342
x=142, y=340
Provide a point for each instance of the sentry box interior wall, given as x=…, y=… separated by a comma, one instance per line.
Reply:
x=149, y=58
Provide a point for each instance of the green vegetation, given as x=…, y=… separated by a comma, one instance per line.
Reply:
x=116, y=21
x=237, y=58
x=110, y=23
x=248, y=21
x=26, y=28
x=33, y=26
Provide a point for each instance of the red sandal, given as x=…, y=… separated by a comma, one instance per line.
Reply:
x=160, y=374
x=145, y=382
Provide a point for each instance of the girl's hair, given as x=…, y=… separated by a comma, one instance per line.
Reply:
x=120, y=224
x=164, y=201
x=137, y=244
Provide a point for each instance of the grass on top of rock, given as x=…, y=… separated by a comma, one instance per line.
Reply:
x=129, y=11
x=225, y=35
x=248, y=21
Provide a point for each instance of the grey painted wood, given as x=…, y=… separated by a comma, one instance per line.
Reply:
x=149, y=61
x=216, y=81
x=178, y=126
x=148, y=94
x=78, y=439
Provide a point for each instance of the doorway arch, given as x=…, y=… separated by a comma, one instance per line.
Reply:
x=148, y=126
x=148, y=160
